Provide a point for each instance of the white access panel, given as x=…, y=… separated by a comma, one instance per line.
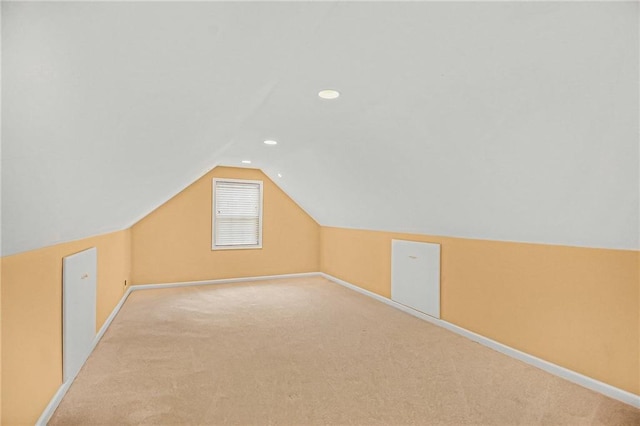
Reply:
x=415, y=275
x=79, y=273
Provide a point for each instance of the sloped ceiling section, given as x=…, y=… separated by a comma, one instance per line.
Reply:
x=507, y=121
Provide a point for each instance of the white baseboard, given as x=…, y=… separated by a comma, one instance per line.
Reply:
x=554, y=369
x=222, y=281
x=572, y=376
x=53, y=404
x=62, y=390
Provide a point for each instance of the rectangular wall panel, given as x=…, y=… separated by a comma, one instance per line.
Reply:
x=415, y=275
x=79, y=309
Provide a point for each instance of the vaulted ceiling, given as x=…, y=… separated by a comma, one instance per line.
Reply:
x=497, y=120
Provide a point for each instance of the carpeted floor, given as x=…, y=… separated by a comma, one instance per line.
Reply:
x=307, y=351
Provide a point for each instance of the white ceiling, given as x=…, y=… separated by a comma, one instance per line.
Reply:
x=506, y=121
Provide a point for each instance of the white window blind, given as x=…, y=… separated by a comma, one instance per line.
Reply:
x=237, y=214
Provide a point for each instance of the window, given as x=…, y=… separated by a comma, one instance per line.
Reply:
x=237, y=214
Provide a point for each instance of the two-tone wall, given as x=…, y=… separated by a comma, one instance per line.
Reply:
x=173, y=243
x=575, y=307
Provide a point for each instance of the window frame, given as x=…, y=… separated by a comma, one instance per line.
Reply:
x=214, y=214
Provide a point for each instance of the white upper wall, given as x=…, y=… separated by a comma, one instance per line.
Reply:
x=506, y=121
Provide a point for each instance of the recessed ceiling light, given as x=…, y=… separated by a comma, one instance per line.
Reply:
x=246, y=161
x=270, y=142
x=279, y=174
x=328, y=94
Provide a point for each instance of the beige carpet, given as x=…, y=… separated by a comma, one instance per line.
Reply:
x=307, y=351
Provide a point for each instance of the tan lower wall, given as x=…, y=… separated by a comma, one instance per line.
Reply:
x=0, y=340
x=173, y=243
x=575, y=307
x=32, y=318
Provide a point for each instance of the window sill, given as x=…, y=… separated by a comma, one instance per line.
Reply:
x=216, y=248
